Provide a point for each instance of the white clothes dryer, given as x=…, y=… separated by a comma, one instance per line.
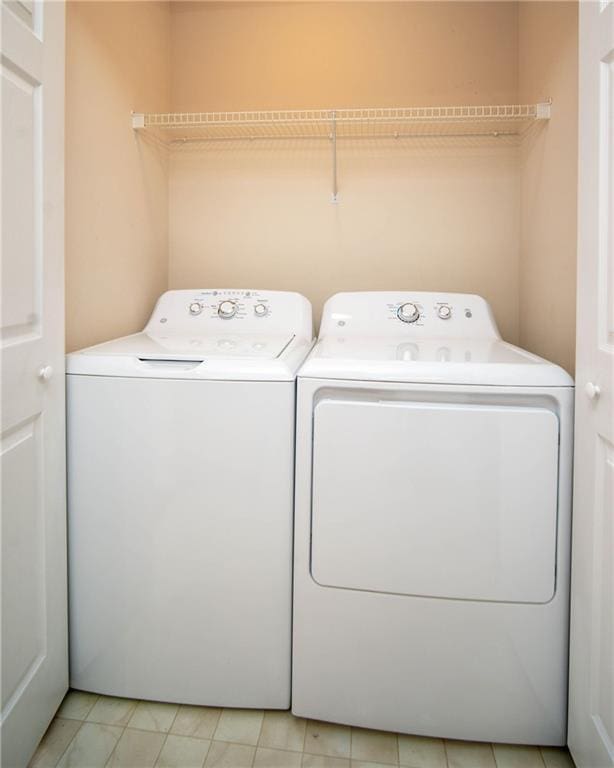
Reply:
x=432, y=524
x=180, y=497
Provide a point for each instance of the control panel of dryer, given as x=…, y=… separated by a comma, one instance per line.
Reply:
x=417, y=314
x=231, y=310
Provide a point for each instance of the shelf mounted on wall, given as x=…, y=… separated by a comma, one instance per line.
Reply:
x=176, y=128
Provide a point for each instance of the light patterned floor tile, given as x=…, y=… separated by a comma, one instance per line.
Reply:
x=421, y=752
x=324, y=761
x=153, y=716
x=112, y=711
x=183, y=752
x=327, y=739
x=557, y=757
x=77, y=705
x=517, y=756
x=469, y=754
x=162, y=735
x=276, y=758
x=281, y=730
x=199, y=722
x=222, y=754
x=58, y=736
x=241, y=726
x=137, y=749
x=91, y=746
x=374, y=746
x=362, y=764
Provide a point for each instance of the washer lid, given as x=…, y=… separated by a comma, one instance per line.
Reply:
x=150, y=346
x=205, y=356
x=488, y=361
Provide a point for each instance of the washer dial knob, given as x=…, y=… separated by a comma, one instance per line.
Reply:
x=260, y=310
x=227, y=309
x=444, y=312
x=195, y=308
x=408, y=312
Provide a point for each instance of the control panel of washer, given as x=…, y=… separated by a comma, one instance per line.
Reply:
x=230, y=304
x=243, y=311
x=415, y=313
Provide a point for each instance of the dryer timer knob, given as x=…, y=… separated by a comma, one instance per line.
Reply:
x=408, y=312
x=227, y=309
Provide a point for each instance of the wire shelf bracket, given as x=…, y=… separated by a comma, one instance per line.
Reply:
x=177, y=128
x=333, y=137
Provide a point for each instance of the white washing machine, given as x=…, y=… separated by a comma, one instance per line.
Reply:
x=432, y=524
x=180, y=490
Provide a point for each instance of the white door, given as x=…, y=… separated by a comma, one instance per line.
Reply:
x=34, y=634
x=452, y=500
x=591, y=703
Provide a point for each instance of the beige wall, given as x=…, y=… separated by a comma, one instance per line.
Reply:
x=232, y=56
x=117, y=60
x=421, y=217
x=465, y=215
x=548, y=50
x=428, y=214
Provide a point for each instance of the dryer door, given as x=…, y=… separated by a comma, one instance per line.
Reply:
x=442, y=500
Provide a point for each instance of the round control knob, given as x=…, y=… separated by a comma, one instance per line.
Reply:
x=227, y=309
x=444, y=312
x=195, y=308
x=260, y=310
x=408, y=313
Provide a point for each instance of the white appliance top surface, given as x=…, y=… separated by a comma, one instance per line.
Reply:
x=151, y=346
x=364, y=337
x=209, y=334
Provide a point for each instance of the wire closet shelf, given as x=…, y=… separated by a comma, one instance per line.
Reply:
x=497, y=120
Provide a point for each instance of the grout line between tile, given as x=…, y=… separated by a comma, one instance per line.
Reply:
x=207, y=753
x=116, y=743
x=258, y=738
x=494, y=754
x=273, y=749
x=173, y=723
x=260, y=729
x=155, y=763
x=445, y=752
x=69, y=743
x=96, y=700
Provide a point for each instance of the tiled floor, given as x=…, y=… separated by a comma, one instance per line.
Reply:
x=92, y=731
